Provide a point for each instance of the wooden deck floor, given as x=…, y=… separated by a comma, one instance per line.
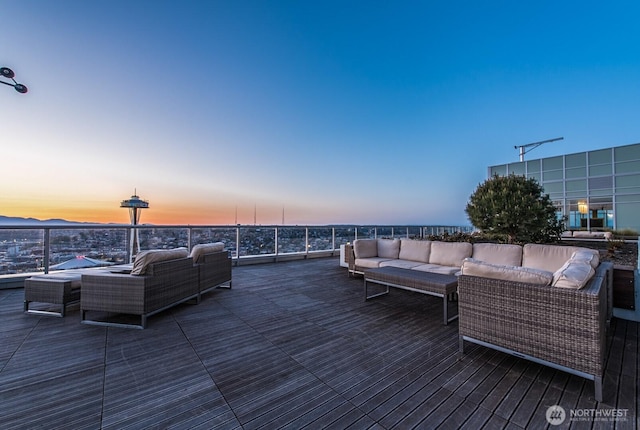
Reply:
x=292, y=345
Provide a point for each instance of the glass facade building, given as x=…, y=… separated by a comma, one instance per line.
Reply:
x=595, y=190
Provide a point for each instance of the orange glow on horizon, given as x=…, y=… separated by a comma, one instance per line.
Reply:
x=156, y=214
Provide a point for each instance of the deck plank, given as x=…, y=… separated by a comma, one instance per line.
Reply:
x=291, y=345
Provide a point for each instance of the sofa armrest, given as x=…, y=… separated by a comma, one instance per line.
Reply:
x=350, y=257
x=214, y=269
x=113, y=292
x=167, y=282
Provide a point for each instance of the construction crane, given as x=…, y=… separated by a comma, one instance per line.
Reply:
x=533, y=146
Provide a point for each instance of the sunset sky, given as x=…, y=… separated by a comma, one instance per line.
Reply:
x=363, y=112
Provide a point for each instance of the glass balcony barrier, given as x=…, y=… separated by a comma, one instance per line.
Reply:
x=28, y=249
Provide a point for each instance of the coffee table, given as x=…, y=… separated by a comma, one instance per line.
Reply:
x=434, y=284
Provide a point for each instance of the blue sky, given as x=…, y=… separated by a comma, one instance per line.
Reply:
x=339, y=112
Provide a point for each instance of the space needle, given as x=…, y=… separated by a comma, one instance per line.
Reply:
x=135, y=205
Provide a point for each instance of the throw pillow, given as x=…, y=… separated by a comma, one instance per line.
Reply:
x=573, y=274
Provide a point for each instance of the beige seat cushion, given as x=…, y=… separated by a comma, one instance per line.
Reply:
x=498, y=253
x=415, y=250
x=449, y=253
x=403, y=264
x=573, y=274
x=365, y=248
x=388, y=248
x=370, y=263
x=436, y=268
x=145, y=258
x=473, y=267
x=205, y=248
x=548, y=257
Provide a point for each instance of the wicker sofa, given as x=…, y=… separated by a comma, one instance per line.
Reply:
x=561, y=322
x=423, y=255
x=547, y=303
x=159, y=280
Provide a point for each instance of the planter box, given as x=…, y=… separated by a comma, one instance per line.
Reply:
x=623, y=287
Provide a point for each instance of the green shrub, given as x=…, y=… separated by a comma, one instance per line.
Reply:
x=514, y=207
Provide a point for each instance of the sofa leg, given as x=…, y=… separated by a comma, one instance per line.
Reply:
x=461, y=345
x=597, y=385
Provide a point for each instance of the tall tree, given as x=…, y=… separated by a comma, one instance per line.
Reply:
x=516, y=207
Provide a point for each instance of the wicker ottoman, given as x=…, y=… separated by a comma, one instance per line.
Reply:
x=56, y=288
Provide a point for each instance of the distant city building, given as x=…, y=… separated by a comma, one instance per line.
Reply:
x=595, y=190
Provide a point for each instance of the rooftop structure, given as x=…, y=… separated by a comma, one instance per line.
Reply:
x=293, y=344
x=595, y=190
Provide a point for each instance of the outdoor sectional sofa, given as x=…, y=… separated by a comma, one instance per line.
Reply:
x=158, y=280
x=547, y=303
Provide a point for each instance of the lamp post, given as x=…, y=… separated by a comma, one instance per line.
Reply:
x=8, y=74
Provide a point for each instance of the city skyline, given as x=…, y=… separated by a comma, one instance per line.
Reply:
x=352, y=112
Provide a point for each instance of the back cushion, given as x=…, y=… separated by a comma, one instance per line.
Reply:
x=548, y=257
x=497, y=253
x=388, y=248
x=415, y=250
x=205, y=248
x=449, y=253
x=365, y=248
x=145, y=258
x=473, y=267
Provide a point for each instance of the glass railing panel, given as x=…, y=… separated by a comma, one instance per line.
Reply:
x=163, y=238
x=291, y=240
x=320, y=239
x=226, y=235
x=414, y=232
x=366, y=232
x=21, y=251
x=68, y=246
x=385, y=232
x=257, y=241
x=344, y=235
x=403, y=231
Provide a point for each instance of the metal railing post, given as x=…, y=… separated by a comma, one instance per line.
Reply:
x=333, y=239
x=237, y=243
x=47, y=251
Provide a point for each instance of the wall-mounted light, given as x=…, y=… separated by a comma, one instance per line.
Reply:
x=582, y=207
x=8, y=74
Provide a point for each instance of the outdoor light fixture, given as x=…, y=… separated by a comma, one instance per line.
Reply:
x=8, y=74
x=582, y=207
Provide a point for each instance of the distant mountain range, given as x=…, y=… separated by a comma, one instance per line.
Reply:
x=7, y=220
